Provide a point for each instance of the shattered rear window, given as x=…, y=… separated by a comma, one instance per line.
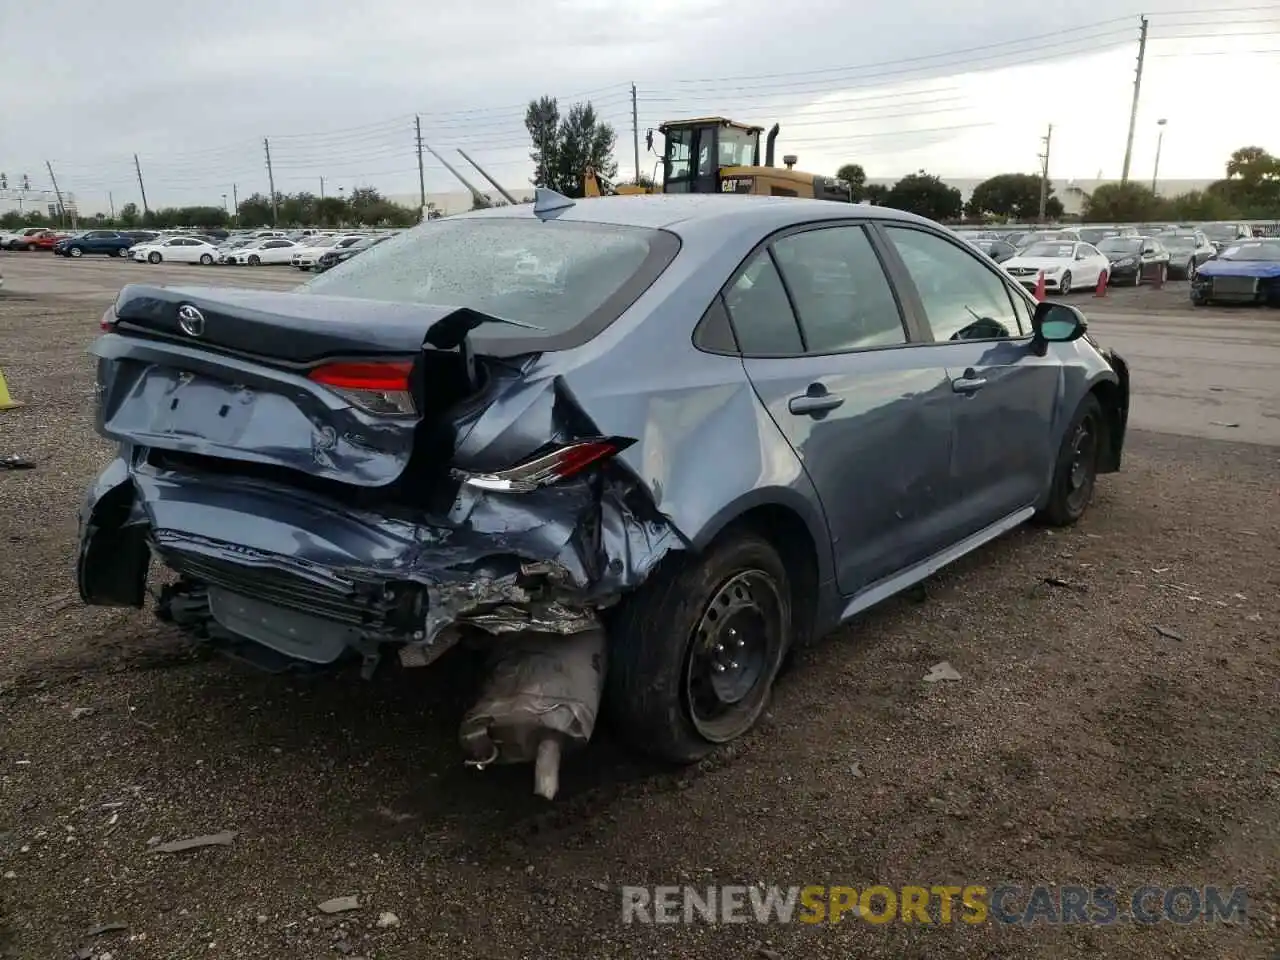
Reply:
x=569, y=278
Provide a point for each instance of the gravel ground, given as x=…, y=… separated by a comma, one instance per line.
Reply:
x=1080, y=745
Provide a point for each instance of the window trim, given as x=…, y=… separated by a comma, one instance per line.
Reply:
x=906, y=310
x=902, y=278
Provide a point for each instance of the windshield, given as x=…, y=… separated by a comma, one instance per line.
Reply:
x=569, y=278
x=1253, y=251
x=1220, y=231
x=1096, y=235
x=1056, y=251
x=1120, y=245
x=1179, y=241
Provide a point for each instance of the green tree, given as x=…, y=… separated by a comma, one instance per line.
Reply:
x=128, y=216
x=925, y=195
x=875, y=193
x=856, y=177
x=254, y=211
x=1252, y=185
x=1013, y=196
x=1122, y=203
x=298, y=209
x=331, y=212
x=1201, y=205
x=564, y=147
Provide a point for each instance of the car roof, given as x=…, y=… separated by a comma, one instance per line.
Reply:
x=679, y=211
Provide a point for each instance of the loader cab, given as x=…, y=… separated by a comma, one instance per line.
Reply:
x=697, y=150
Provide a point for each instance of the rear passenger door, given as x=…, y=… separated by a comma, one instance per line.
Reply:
x=823, y=341
x=1003, y=395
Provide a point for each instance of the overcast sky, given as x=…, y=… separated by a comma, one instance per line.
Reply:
x=964, y=88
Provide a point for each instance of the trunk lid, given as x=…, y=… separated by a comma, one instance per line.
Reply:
x=234, y=381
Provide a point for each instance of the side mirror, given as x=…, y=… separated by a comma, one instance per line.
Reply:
x=1057, y=322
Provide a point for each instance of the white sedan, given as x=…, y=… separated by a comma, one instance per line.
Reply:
x=274, y=250
x=176, y=250
x=1066, y=265
x=305, y=258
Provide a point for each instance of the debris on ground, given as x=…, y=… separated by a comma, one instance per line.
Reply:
x=1064, y=584
x=78, y=712
x=339, y=905
x=387, y=920
x=855, y=768
x=1169, y=634
x=191, y=843
x=102, y=928
x=15, y=462
x=1221, y=423
x=941, y=671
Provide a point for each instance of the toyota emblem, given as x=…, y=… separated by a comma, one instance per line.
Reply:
x=191, y=320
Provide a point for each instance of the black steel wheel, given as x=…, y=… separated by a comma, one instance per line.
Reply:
x=693, y=652
x=1076, y=473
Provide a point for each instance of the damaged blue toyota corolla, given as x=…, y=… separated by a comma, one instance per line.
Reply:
x=635, y=447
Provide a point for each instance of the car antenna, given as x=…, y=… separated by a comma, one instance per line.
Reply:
x=546, y=200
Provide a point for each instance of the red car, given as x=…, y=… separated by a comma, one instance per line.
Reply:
x=46, y=240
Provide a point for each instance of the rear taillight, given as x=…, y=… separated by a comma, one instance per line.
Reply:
x=546, y=469
x=108, y=321
x=375, y=387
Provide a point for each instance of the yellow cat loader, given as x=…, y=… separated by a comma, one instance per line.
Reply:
x=716, y=155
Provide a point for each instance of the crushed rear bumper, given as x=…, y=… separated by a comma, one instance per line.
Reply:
x=316, y=581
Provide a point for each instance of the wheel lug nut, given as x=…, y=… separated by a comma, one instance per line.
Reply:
x=719, y=668
x=719, y=648
x=740, y=643
x=733, y=664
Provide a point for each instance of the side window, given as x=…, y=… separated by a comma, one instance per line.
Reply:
x=761, y=313
x=963, y=299
x=841, y=294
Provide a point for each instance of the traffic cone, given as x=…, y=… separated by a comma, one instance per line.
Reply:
x=6, y=401
x=1101, y=289
x=1040, y=285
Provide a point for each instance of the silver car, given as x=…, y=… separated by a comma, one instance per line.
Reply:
x=635, y=448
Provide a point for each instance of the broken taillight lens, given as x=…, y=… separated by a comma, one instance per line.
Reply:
x=378, y=387
x=545, y=469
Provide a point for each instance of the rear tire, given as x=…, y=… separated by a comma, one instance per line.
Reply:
x=1076, y=472
x=693, y=653
x=206, y=259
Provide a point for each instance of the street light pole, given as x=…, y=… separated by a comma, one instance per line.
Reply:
x=1155, y=173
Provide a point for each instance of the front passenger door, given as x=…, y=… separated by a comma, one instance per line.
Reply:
x=1003, y=395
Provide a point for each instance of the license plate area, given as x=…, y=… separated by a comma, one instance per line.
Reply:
x=205, y=409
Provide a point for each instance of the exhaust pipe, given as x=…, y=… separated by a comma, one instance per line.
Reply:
x=768, y=145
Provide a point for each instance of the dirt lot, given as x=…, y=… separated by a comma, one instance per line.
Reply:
x=1081, y=745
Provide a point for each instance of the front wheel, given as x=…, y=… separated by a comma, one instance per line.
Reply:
x=75, y=252
x=693, y=653
x=154, y=257
x=122, y=251
x=1076, y=472
x=206, y=258
x=1064, y=287
x=255, y=260
x=1191, y=270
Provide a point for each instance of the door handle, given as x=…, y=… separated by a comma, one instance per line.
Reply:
x=814, y=403
x=968, y=384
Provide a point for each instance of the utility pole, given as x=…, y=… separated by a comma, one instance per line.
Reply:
x=322, y=188
x=112, y=201
x=235, y=204
x=422, y=179
x=1047, y=140
x=635, y=131
x=271, y=182
x=1133, y=110
x=56, y=191
x=138, y=167
x=1155, y=171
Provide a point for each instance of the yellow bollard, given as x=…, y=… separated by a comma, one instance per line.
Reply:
x=6, y=401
